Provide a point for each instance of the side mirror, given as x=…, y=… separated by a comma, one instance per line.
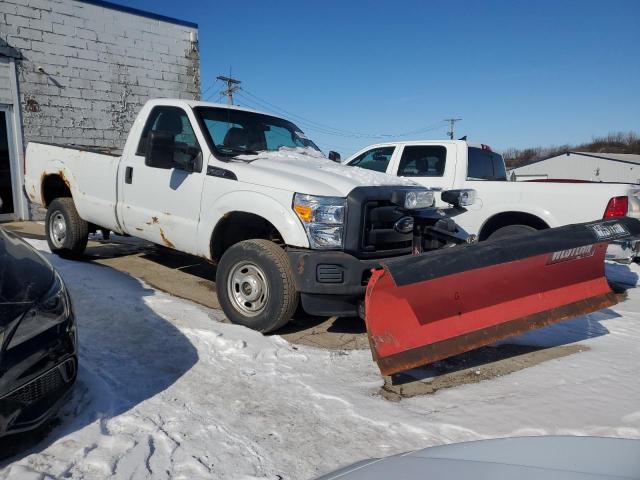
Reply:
x=334, y=156
x=459, y=198
x=160, y=149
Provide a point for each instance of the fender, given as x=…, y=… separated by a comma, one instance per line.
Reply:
x=248, y=201
x=56, y=167
x=541, y=213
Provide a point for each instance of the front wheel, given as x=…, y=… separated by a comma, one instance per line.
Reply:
x=67, y=233
x=511, y=231
x=255, y=285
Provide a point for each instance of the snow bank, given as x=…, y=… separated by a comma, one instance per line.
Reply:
x=166, y=391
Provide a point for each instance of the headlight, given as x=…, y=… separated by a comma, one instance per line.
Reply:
x=413, y=199
x=51, y=309
x=323, y=219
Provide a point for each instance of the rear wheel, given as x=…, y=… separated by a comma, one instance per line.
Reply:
x=255, y=285
x=67, y=233
x=510, y=231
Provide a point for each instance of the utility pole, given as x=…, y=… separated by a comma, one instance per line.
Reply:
x=233, y=85
x=452, y=122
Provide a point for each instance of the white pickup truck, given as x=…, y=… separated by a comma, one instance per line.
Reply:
x=501, y=208
x=243, y=189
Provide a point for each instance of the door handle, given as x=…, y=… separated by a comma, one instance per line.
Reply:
x=128, y=175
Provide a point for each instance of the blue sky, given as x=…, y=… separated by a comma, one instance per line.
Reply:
x=519, y=73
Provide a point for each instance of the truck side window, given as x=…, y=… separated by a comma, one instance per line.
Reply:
x=174, y=123
x=422, y=161
x=485, y=165
x=375, y=159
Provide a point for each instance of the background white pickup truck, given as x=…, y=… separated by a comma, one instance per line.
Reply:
x=501, y=208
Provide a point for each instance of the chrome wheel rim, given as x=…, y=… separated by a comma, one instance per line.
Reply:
x=57, y=229
x=248, y=289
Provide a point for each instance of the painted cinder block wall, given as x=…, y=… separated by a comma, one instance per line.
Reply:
x=84, y=69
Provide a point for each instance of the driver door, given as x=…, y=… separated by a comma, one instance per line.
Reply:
x=161, y=196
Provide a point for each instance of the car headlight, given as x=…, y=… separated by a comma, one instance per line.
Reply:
x=51, y=309
x=413, y=199
x=323, y=219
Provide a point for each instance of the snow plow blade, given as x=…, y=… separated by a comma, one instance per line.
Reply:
x=426, y=308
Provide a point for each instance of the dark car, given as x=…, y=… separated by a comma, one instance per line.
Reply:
x=38, y=355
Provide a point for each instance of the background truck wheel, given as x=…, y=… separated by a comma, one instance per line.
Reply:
x=67, y=233
x=510, y=231
x=255, y=285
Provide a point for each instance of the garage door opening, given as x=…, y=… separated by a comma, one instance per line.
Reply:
x=6, y=190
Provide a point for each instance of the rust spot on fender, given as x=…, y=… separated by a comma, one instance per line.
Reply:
x=165, y=240
x=301, y=265
x=154, y=219
x=64, y=179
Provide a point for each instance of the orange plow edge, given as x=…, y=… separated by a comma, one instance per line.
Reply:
x=426, y=308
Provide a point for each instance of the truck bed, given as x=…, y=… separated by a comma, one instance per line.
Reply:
x=90, y=174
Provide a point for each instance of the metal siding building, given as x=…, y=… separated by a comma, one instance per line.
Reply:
x=593, y=167
x=77, y=72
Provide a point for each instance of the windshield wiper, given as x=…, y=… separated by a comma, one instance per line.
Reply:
x=236, y=150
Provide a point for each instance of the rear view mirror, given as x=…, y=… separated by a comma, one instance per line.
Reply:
x=334, y=156
x=379, y=157
x=160, y=149
x=459, y=198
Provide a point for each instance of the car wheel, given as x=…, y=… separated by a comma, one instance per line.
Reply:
x=255, y=285
x=67, y=233
x=511, y=231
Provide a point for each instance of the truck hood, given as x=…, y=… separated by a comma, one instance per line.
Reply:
x=306, y=171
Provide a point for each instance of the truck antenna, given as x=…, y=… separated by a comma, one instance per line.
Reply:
x=452, y=122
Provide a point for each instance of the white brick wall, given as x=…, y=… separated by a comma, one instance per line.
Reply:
x=100, y=65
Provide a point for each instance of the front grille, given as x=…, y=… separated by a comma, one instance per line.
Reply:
x=45, y=385
x=378, y=233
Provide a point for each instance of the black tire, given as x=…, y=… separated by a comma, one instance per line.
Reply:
x=76, y=233
x=511, y=231
x=263, y=263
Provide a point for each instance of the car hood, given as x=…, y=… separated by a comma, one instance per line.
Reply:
x=306, y=171
x=24, y=276
x=525, y=458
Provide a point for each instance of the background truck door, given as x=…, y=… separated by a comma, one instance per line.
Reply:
x=162, y=203
x=430, y=165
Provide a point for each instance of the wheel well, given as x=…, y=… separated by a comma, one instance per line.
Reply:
x=235, y=227
x=511, y=218
x=54, y=186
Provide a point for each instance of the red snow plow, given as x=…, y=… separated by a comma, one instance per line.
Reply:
x=428, y=307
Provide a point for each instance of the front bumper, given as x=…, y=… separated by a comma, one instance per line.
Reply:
x=36, y=377
x=330, y=283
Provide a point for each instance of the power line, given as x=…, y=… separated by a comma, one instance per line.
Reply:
x=211, y=95
x=452, y=122
x=326, y=129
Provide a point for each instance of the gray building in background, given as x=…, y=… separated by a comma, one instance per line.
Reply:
x=586, y=166
x=77, y=72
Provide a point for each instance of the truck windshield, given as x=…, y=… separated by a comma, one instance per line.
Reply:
x=485, y=165
x=236, y=132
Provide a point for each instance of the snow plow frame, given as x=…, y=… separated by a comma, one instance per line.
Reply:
x=425, y=308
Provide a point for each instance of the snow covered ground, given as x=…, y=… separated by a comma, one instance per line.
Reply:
x=166, y=391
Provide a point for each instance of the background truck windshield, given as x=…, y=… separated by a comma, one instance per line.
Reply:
x=485, y=165
x=234, y=132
